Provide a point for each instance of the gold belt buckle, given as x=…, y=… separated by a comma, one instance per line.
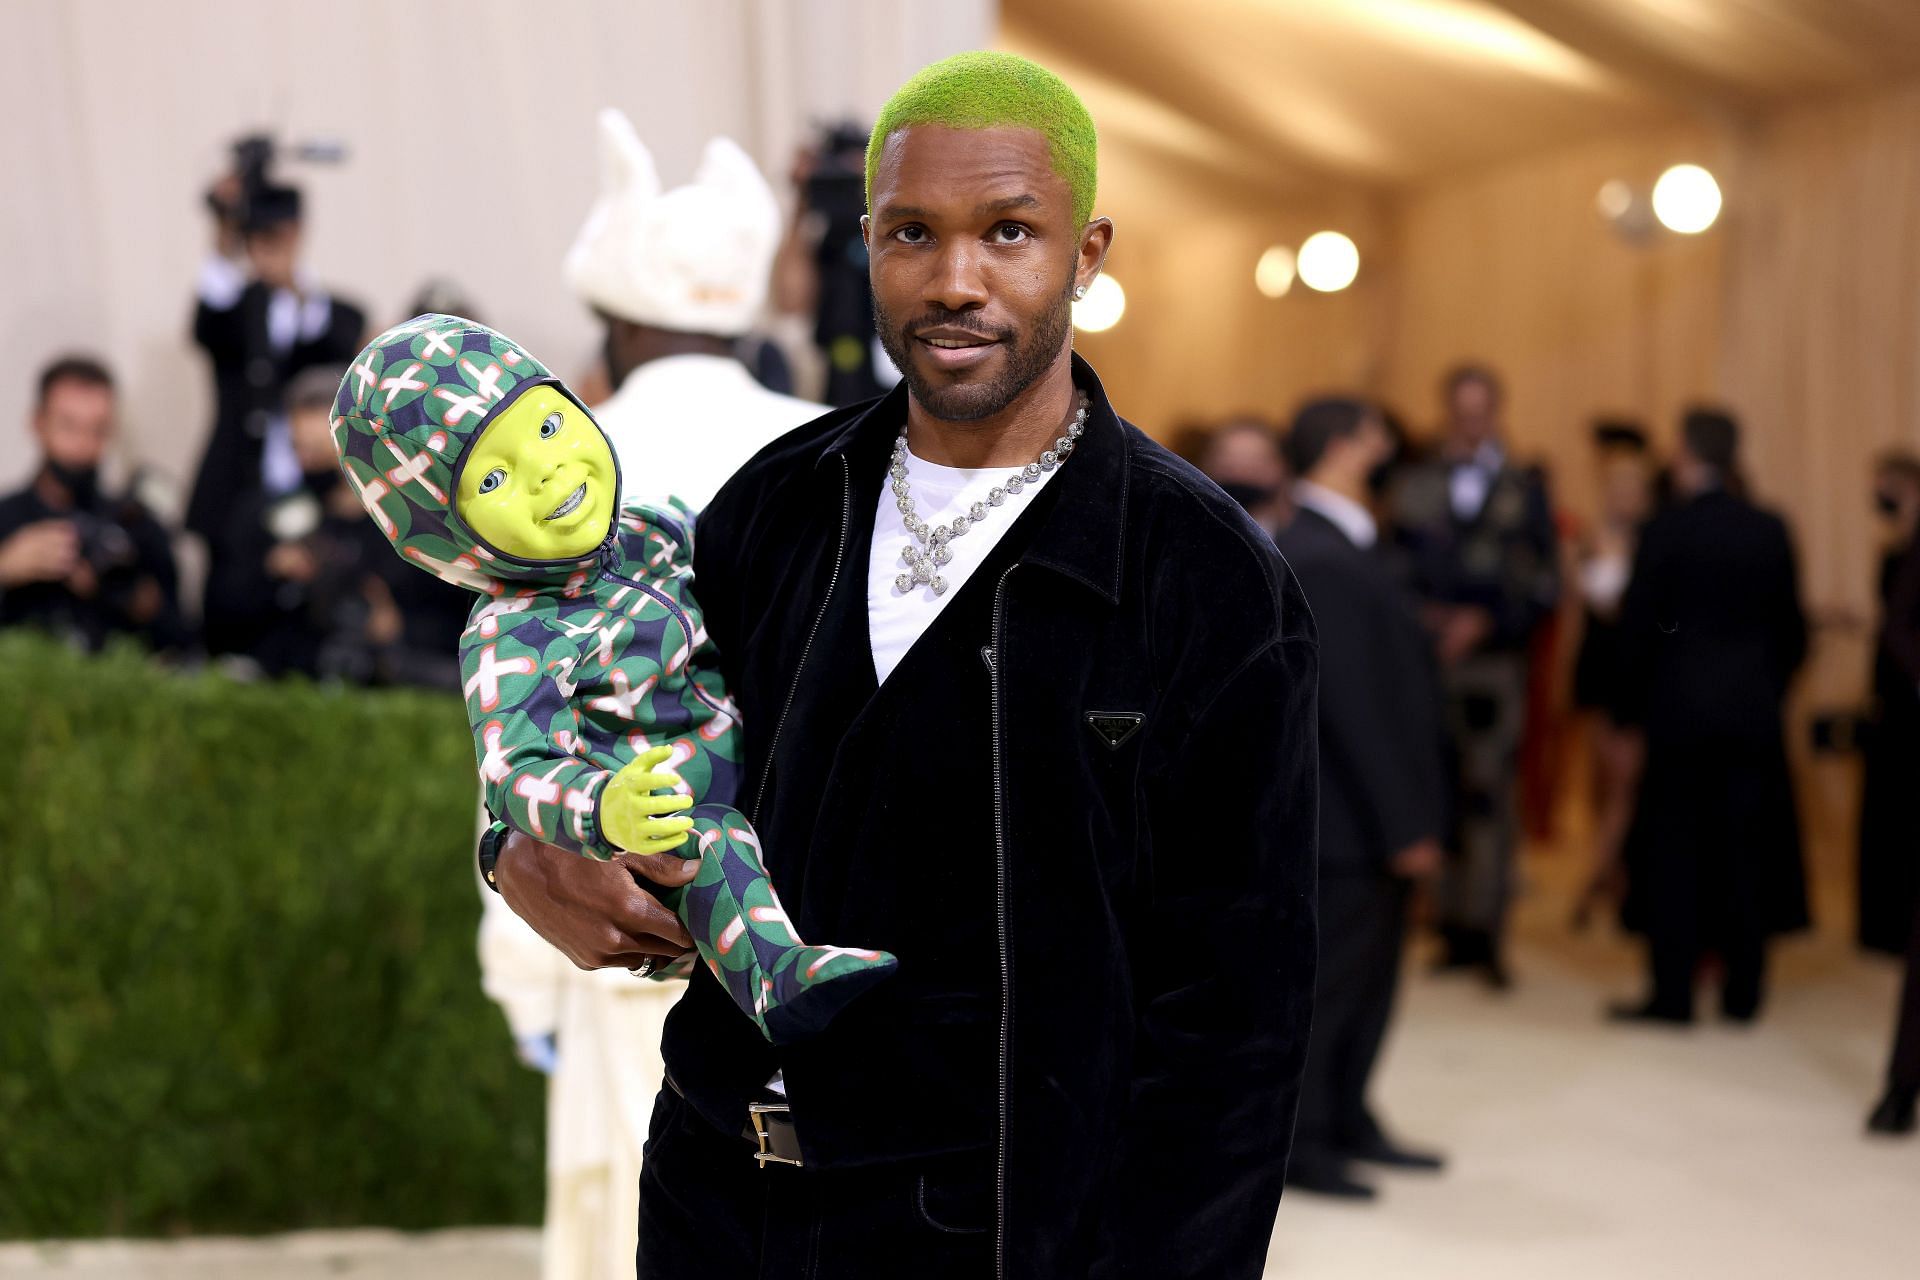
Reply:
x=757, y=1113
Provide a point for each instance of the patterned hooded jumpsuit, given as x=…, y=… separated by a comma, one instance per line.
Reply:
x=574, y=668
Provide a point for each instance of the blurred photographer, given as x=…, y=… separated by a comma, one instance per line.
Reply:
x=322, y=594
x=262, y=320
x=678, y=277
x=72, y=559
x=821, y=269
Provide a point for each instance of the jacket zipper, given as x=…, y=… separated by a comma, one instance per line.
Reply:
x=1000, y=934
x=686, y=628
x=839, y=554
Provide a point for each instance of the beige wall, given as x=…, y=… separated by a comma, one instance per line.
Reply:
x=1198, y=340
x=1516, y=267
x=470, y=128
x=1800, y=310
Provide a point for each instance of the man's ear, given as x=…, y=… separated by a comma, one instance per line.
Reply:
x=866, y=231
x=1096, y=239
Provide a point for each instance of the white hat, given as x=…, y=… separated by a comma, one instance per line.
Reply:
x=695, y=259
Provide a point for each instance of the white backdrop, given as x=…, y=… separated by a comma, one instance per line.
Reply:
x=469, y=126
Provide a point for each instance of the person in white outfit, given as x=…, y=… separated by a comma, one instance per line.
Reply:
x=677, y=277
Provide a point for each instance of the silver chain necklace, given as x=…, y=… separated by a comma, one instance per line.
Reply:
x=924, y=561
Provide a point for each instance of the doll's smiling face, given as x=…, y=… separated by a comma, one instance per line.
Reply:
x=539, y=482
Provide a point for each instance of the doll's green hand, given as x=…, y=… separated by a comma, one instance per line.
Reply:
x=634, y=818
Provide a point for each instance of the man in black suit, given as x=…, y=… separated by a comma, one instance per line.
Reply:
x=261, y=320
x=1382, y=794
x=1713, y=634
x=1474, y=534
x=75, y=559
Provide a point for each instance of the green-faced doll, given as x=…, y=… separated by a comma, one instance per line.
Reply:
x=599, y=716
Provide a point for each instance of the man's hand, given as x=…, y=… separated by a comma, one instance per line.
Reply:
x=596, y=914
x=224, y=198
x=386, y=625
x=1420, y=860
x=1464, y=630
x=45, y=551
x=83, y=582
x=293, y=561
x=146, y=602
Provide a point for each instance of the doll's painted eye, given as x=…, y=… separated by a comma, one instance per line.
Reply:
x=493, y=480
x=551, y=427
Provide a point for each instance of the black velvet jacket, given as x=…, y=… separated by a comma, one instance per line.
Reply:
x=1153, y=699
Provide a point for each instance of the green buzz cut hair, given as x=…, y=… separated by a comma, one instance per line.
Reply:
x=984, y=90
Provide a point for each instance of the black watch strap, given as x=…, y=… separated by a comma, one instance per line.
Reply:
x=491, y=841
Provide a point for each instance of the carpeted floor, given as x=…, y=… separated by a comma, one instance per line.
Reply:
x=1582, y=1150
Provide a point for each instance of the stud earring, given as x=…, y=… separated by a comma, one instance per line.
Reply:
x=1079, y=292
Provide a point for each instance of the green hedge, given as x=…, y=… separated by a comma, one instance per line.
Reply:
x=238, y=989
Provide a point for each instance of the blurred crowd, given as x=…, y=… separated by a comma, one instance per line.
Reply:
x=297, y=580
x=1471, y=627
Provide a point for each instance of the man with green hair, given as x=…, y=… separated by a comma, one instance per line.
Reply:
x=1012, y=671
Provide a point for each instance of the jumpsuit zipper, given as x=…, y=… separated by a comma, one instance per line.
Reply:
x=839, y=554
x=1000, y=932
x=686, y=627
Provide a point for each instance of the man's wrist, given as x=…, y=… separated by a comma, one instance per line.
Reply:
x=492, y=841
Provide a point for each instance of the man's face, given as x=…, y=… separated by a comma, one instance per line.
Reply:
x=1895, y=493
x=1374, y=442
x=1473, y=413
x=75, y=425
x=1244, y=456
x=312, y=440
x=272, y=253
x=1625, y=487
x=973, y=251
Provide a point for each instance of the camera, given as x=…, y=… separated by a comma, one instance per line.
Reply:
x=108, y=549
x=837, y=187
x=254, y=157
x=836, y=195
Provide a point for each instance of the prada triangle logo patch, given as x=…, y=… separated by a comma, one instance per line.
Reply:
x=1115, y=727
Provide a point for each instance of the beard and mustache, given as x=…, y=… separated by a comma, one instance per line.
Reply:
x=1027, y=356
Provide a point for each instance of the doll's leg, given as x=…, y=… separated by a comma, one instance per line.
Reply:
x=789, y=989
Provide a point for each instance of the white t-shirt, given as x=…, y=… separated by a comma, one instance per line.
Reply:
x=895, y=619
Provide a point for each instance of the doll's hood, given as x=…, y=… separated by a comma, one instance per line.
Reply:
x=409, y=408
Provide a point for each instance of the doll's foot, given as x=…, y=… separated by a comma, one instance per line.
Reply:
x=812, y=984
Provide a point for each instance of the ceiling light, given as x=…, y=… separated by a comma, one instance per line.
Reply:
x=1615, y=200
x=1328, y=262
x=1273, y=274
x=1103, y=306
x=1686, y=199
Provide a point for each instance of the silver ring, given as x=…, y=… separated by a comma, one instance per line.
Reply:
x=644, y=969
